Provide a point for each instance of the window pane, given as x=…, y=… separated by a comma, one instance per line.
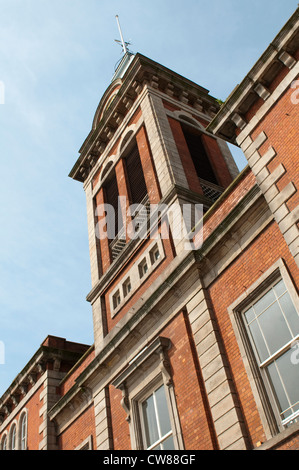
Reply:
x=280, y=288
x=285, y=379
x=24, y=432
x=290, y=313
x=290, y=376
x=274, y=327
x=264, y=302
x=277, y=387
x=296, y=408
x=259, y=341
x=168, y=444
x=158, y=447
x=162, y=408
x=13, y=439
x=150, y=422
x=250, y=315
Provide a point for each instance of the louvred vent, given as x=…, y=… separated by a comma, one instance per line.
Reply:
x=199, y=155
x=135, y=176
x=111, y=193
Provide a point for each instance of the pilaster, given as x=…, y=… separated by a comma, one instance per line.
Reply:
x=165, y=155
x=222, y=398
x=102, y=420
x=277, y=199
x=94, y=251
x=48, y=398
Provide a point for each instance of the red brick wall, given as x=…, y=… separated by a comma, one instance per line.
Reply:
x=217, y=161
x=189, y=390
x=170, y=106
x=281, y=127
x=120, y=427
x=217, y=214
x=34, y=421
x=69, y=381
x=81, y=429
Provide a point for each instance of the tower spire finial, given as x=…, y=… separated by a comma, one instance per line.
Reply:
x=122, y=42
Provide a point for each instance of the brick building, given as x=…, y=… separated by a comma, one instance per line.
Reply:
x=194, y=270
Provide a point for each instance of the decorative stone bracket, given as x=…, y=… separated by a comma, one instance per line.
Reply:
x=158, y=347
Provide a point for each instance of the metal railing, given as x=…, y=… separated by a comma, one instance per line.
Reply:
x=211, y=190
x=140, y=217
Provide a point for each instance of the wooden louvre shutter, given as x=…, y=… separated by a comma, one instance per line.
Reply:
x=199, y=155
x=111, y=196
x=135, y=176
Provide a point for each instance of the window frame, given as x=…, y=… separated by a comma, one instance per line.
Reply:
x=155, y=250
x=22, y=438
x=4, y=441
x=13, y=436
x=116, y=299
x=87, y=444
x=263, y=365
x=136, y=386
x=260, y=383
x=139, y=402
x=143, y=268
x=125, y=287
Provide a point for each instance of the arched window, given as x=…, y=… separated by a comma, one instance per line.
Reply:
x=136, y=181
x=114, y=220
x=198, y=154
x=190, y=120
x=4, y=443
x=13, y=437
x=23, y=427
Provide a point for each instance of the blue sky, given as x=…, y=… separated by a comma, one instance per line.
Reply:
x=56, y=60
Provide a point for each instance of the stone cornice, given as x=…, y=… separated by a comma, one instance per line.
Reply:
x=254, y=85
